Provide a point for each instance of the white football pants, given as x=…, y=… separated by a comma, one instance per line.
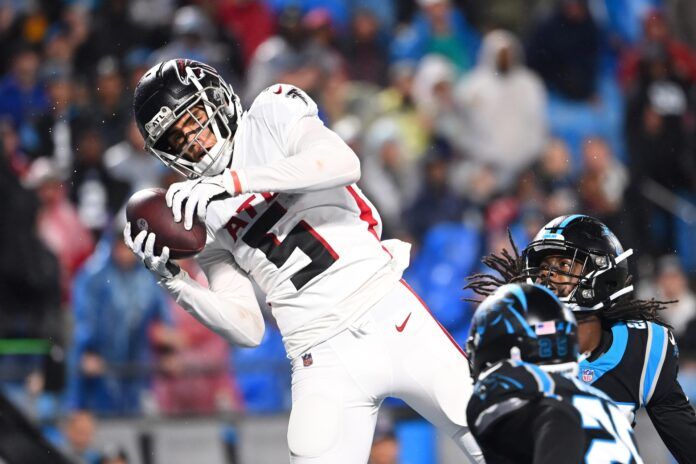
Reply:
x=396, y=349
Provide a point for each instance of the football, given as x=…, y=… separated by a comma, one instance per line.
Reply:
x=147, y=210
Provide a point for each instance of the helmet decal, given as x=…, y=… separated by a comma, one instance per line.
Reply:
x=181, y=71
x=162, y=120
x=613, y=239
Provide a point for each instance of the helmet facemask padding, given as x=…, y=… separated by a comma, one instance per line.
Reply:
x=220, y=121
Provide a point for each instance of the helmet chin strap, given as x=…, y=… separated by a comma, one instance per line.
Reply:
x=569, y=368
x=563, y=368
x=219, y=160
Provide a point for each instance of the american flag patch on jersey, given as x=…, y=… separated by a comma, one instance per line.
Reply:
x=545, y=328
x=307, y=359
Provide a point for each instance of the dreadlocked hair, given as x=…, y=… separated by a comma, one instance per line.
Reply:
x=508, y=266
x=631, y=309
x=510, y=269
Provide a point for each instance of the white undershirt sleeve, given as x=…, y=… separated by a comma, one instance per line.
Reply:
x=228, y=307
x=317, y=159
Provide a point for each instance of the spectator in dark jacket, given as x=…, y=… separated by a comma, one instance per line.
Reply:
x=366, y=50
x=55, y=129
x=436, y=202
x=95, y=192
x=659, y=121
x=564, y=50
x=29, y=282
x=22, y=95
x=29, y=285
x=112, y=109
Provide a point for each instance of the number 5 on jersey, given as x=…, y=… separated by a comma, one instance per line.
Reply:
x=302, y=236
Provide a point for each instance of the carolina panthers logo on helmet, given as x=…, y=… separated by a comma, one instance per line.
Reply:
x=612, y=239
x=504, y=313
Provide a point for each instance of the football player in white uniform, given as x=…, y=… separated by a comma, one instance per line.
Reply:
x=277, y=192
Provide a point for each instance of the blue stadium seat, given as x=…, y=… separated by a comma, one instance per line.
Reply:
x=574, y=121
x=263, y=374
x=685, y=234
x=450, y=252
x=624, y=18
x=417, y=442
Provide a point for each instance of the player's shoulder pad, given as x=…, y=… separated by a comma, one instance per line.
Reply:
x=505, y=380
x=502, y=390
x=282, y=104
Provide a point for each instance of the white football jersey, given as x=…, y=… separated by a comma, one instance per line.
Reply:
x=316, y=255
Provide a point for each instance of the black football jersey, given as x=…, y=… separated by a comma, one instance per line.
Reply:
x=638, y=368
x=519, y=413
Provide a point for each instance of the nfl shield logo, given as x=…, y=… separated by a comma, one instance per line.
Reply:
x=307, y=360
x=587, y=375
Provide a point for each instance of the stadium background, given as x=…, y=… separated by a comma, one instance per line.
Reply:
x=470, y=117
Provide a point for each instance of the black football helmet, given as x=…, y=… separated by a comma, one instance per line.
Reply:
x=189, y=89
x=523, y=322
x=604, y=274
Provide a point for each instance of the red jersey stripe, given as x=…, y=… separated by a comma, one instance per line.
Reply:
x=365, y=211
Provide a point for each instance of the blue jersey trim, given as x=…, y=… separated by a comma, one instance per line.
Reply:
x=547, y=384
x=556, y=232
x=611, y=358
x=544, y=381
x=657, y=345
x=569, y=219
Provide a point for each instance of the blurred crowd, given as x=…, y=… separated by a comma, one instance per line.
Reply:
x=471, y=118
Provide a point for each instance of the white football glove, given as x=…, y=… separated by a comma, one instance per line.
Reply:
x=198, y=193
x=159, y=265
